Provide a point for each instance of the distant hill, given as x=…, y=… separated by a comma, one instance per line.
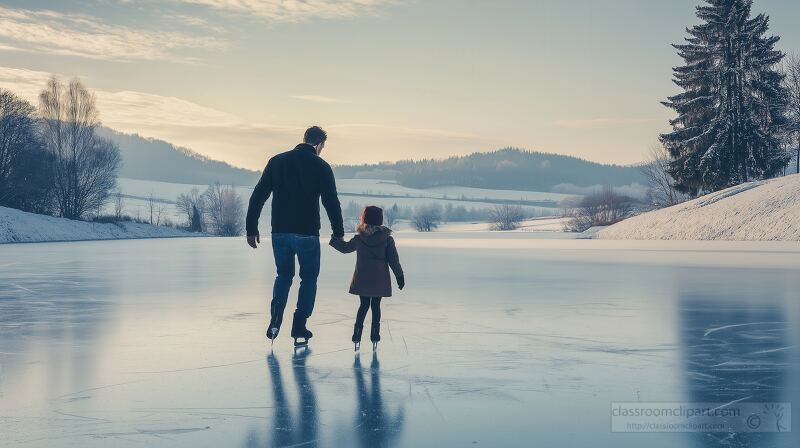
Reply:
x=152, y=159
x=507, y=169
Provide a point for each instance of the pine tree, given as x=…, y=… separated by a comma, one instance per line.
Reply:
x=197, y=220
x=732, y=110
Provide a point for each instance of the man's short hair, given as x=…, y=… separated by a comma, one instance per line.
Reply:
x=314, y=136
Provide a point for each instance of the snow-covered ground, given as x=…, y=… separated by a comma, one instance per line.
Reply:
x=21, y=227
x=755, y=211
x=361, y=191
x=498, y=340
x=555, y=225
x=382, y=187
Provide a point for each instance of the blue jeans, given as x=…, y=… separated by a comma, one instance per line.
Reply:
x=285, y=246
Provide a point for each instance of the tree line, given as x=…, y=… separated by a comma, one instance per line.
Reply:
x=51, y=159
x=505, y=169
x=427, y=217
x=219, y=210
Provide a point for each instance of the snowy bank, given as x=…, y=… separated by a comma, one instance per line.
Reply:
x=21, y=227
x=755, y=211
x=552, y=225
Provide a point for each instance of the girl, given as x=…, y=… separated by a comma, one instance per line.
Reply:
x=375, y=254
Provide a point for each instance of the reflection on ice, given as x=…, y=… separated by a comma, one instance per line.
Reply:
x=60, y=316
x=734, y=351
x=290, y=428
x=375, y=425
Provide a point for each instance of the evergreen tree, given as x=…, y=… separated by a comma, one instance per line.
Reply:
x=197, y=220
x=732, y=110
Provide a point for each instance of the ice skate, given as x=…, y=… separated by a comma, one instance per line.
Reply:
x=375, y=335
x=275, y=323
x=300, y=333
x=357, y=336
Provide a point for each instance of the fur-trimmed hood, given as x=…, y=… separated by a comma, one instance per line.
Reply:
x=367, y=230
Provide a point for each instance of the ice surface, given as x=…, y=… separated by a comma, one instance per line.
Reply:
x=498, y=340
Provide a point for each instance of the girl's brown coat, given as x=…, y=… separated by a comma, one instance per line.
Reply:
x=375, y=254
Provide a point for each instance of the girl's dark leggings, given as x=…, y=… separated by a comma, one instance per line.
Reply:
x=366, y=303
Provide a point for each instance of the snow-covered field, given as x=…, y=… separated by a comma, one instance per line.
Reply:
x=382, y=187
x=498, y=340
x=361, y=191
x=756, y=211
x=552, y=225
x=21, y=227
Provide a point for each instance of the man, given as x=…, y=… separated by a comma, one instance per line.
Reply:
x=296, y=180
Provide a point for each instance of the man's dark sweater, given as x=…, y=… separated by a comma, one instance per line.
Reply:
x=296, y=180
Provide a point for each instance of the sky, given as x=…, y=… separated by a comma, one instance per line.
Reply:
x=240, y=80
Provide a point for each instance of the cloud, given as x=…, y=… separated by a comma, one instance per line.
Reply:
x=293, y=10
x=591, y=123
x=195, y=22
x=125, y=110
x=25, y=83
x=223, y=135
x=317, y=98
x=371, y=129
x=51, y=32
x=129, y=109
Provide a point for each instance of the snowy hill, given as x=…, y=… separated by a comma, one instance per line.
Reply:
x=21, y=227
x=755, y=211
x=153, y=159
x=505, y=169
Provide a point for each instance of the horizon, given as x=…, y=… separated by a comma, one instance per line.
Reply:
x=240, y=82
x=193, y=153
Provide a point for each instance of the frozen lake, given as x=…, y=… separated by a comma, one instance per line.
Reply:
x=506, y=340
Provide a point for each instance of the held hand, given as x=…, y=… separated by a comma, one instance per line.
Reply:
x=253, y=241
x=401, y=283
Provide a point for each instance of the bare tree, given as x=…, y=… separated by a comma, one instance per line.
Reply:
x=118, y=205
x=791, y=68
x=661, y=185
x=352, y=216
x=506, y=217
x=159, y=213
x=25, y=176
x=603, y=208
x=390, y=214
x=151, y=206
x=16, y=133
x=86, y=165
x=427, y=217
x=190, y=205
x=156, y=208
x=225, y=210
